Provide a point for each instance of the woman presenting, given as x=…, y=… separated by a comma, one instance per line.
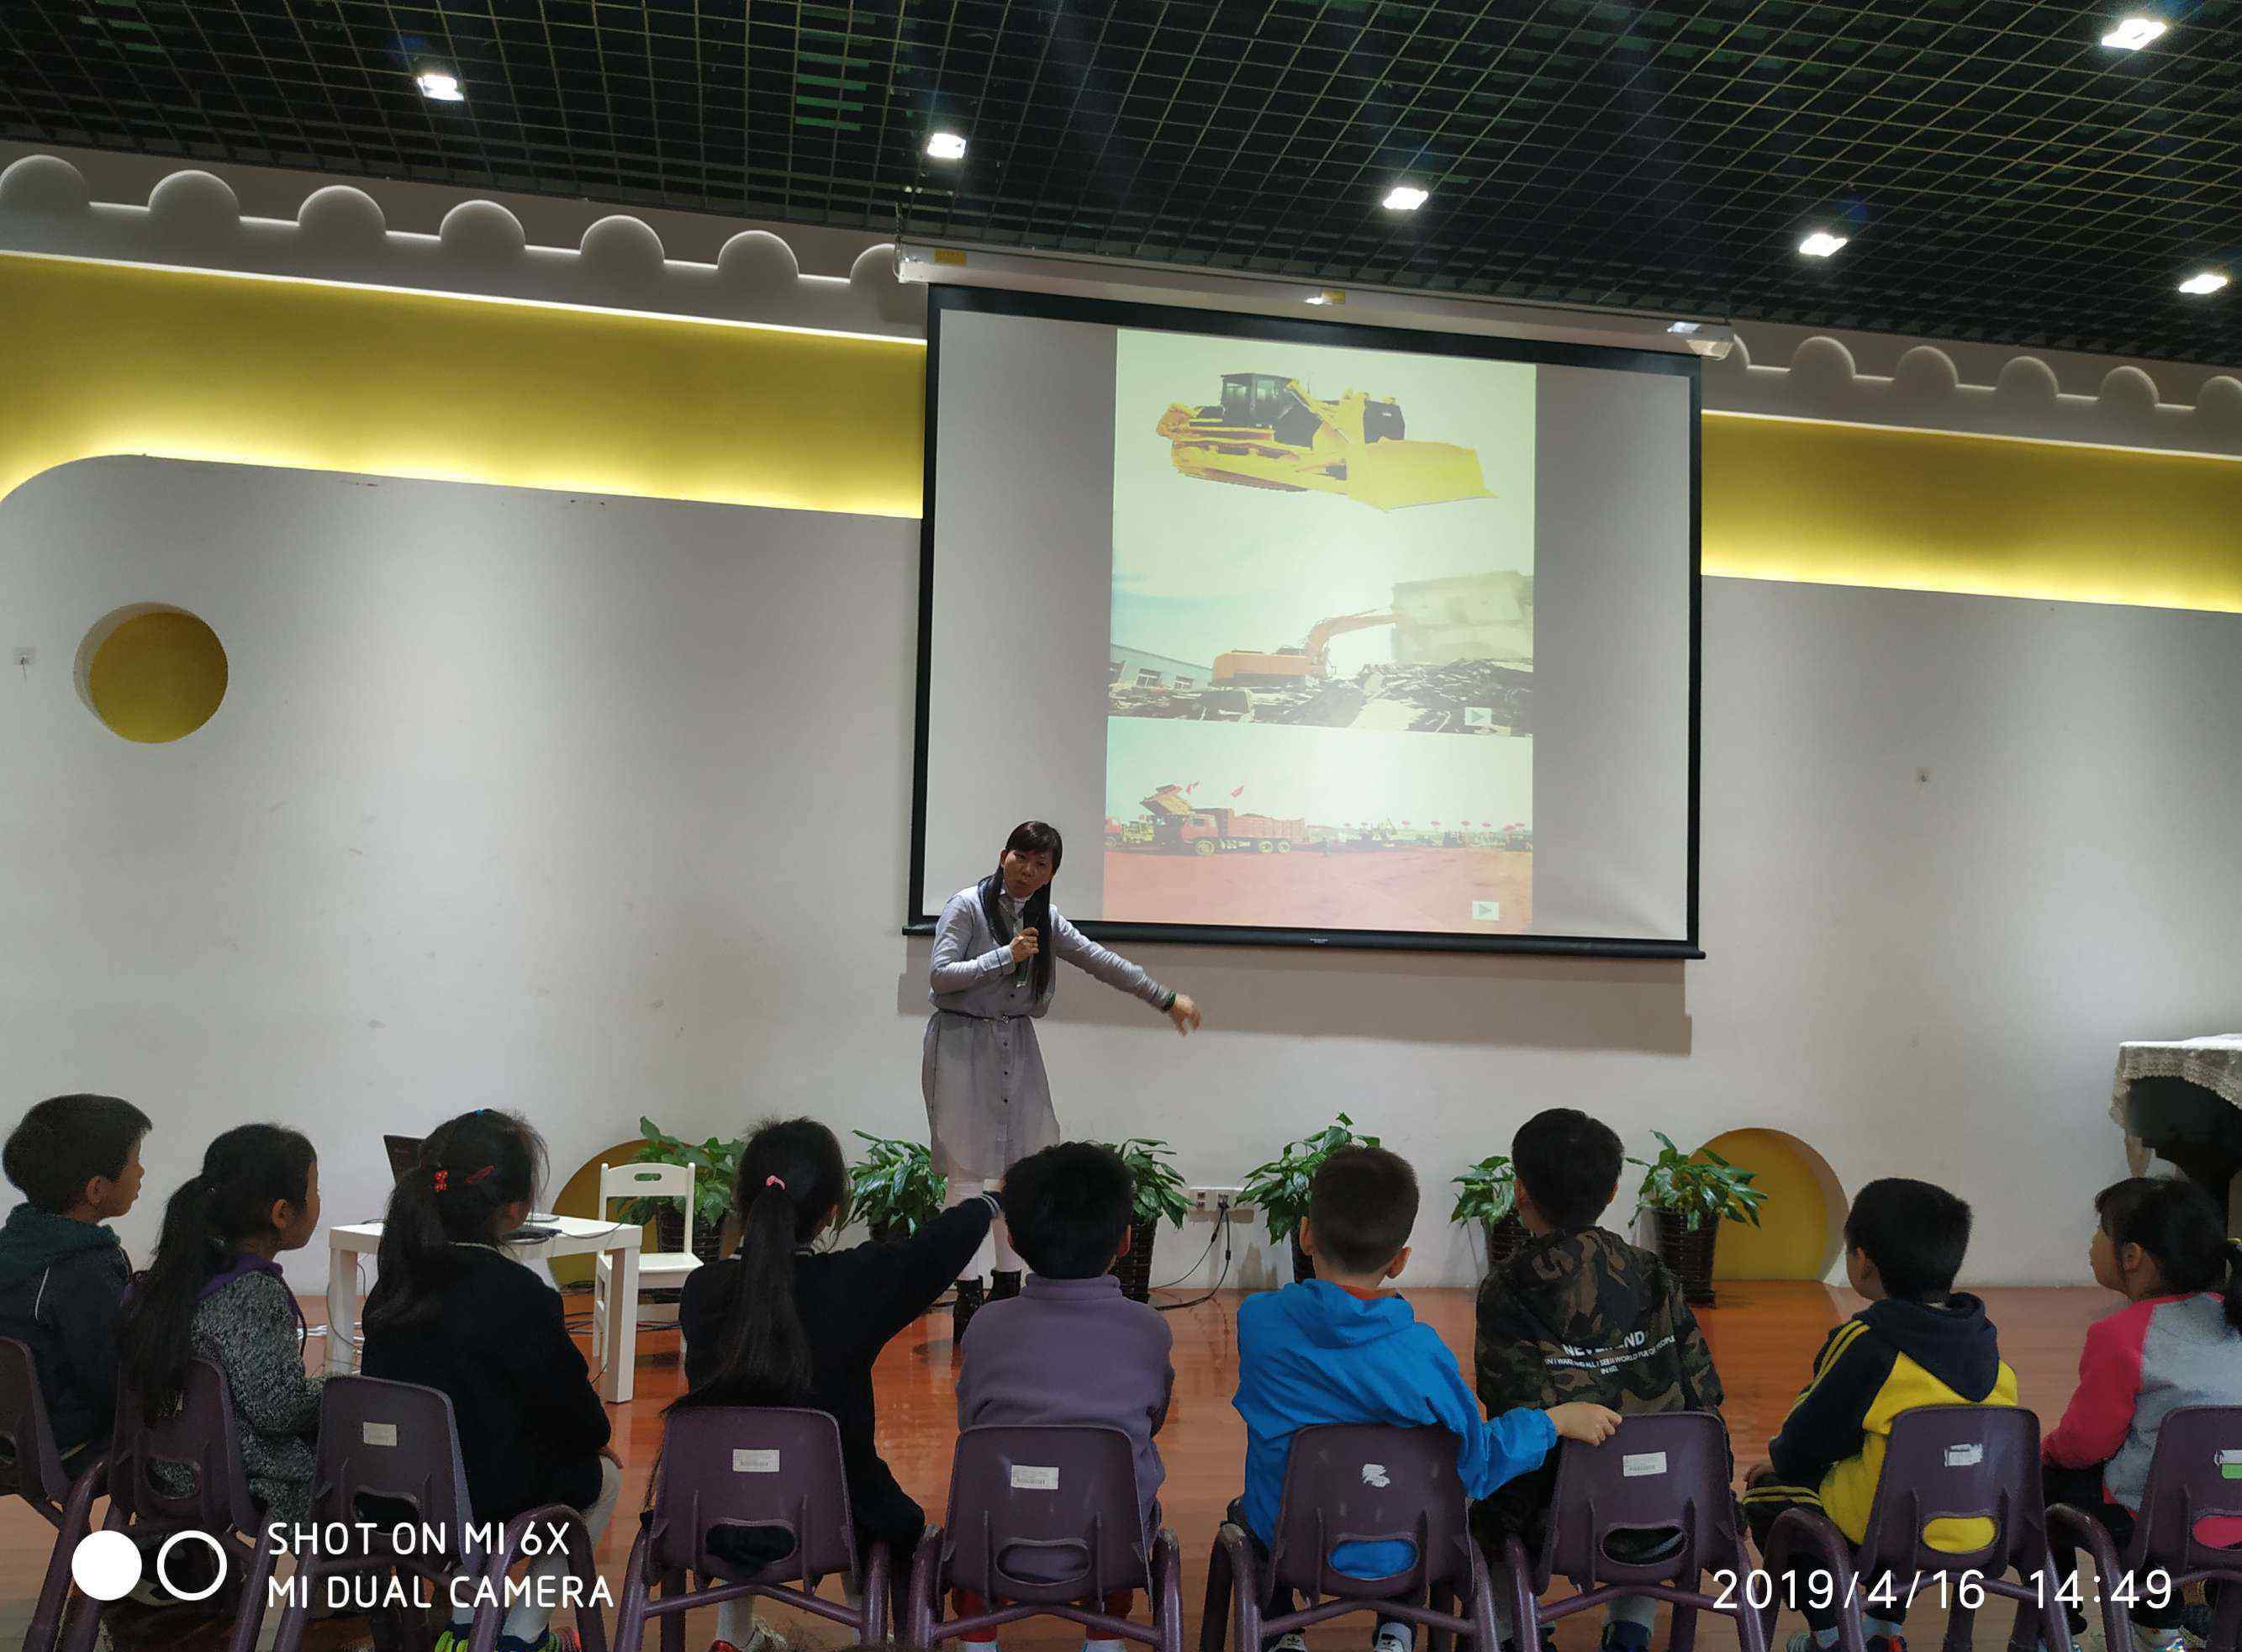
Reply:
x=987, y=1099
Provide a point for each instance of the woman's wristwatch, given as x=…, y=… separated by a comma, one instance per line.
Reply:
x=1168, y=1003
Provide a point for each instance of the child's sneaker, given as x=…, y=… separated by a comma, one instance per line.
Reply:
x=1394, y=1638
x=1295, y=1641
x=1625, y=1637
x=2172, y=1638
x=551, y=1640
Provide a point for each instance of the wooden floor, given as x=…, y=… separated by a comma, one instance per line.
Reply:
x=1763, y=1338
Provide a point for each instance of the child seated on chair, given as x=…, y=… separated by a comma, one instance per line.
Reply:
x=1581, y=1314
x=1070, y=1349
x=1919, y=1342
x=63, y=1272
x=1340, y=1349
x=2162, y=1245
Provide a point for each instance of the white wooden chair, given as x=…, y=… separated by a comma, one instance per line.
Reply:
x=657, y=1270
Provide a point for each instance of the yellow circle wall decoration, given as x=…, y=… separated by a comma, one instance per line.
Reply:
x=156, y=676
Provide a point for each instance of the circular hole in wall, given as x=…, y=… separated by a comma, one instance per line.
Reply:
x=1801, y=1226
x=152, y=673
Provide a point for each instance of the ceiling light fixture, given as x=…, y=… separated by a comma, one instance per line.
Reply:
x=440, y=88
x=945, y=146
x=2132, y=33
x=1685, y=328
x=1821, y=244
x=1405, y=197
x=2209, y=281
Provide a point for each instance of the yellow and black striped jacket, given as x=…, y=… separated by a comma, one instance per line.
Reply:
x=1890, y=1357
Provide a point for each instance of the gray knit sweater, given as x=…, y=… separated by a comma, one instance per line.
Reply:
x=248, y=1330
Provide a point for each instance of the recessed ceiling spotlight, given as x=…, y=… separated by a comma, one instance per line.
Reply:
x=2132, y=33
x=1685, y=328
x=1405, y=197
x=1821, y=244
x=945, y=146
x=440, y=88
x=2209, y=281
x=1328, y=295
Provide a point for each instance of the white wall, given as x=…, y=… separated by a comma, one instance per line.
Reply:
x=594, y=806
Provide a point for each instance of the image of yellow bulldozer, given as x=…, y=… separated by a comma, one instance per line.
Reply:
x=1268, y=431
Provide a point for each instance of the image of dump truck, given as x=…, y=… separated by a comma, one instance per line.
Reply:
x=1180, y=827
x=1268, y=431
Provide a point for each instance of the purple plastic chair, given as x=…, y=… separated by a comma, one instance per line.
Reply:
x=398, y=1443
x=1668, y=1473
x=774, y=1470
x=198, y=1439
x=33, y=1471
x=1043, y=1521
x=2187, y=1483
x=1943, y=1462
x=1357, y=1483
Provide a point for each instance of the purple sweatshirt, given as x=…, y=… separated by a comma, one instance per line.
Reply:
x=1072, y=1350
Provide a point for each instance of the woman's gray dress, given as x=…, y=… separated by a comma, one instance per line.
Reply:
x=987, y=1098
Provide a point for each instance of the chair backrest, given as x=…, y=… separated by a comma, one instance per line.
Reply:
x=1359, y=1482
x=2196, y=1474
x=1957, y=1463
x=198, y=1443
x=389, y=1453
x=1666, y=1472
x=33, y=1468
x=1045, y=1513
x=770, y=1467
x=649, y=1181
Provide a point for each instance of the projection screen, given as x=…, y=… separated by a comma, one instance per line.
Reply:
x=1303, y=632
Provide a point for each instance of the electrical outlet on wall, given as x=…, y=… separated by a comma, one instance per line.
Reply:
x=1219, y=1204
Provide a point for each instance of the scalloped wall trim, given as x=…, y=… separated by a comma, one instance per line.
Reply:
x=192, y=220
x=1925, y=392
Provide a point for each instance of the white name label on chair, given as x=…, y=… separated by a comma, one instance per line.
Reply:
x=1375, y=1474
x=1964, y=1456
x=378, y=1433
x=1637, y=1464
x=755, y=1462
x=2230, y=1464
x=1027, y=1477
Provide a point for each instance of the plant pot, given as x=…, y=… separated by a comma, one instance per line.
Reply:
x=1689, y=1251
x=669, y=1233
x=1506, y=1237
x=1135, y=1270
x=1303, y=1265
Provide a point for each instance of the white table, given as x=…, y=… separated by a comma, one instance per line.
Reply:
x=579, y=1236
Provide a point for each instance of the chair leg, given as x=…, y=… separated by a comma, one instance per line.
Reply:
x=1682, y=1637
x=55, y=1588
x=288, y=1634
x=673, y=1627
x=630, y=1609
x=1961, y=1629
x=1484, y=1620
x=249, y=1618
x=879, y=1606
x=1525, y=1610
x=2225, y=1619
x=919, y=1606
x=1214, y=1621
x=1439, y=1597
x=1168, y=1583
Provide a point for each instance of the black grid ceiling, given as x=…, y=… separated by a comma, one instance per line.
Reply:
x=2003, y=176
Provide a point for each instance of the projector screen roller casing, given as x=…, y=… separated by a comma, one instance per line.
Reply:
x=1018, y=611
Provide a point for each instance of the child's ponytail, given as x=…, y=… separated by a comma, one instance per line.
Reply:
x=471, y=1169
x=791, y=1179
x=2180, y=1227
x=246, y=1172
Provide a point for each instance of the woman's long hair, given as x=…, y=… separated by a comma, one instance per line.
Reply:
x=1029, y=837
x=471, y=1169
x=246, y=1172
x=2179, y=1226
x=791, y=1174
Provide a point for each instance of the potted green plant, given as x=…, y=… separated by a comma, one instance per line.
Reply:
x=716, y=1165
x=1161, y=1195
x=893, y=1188
x=1489, y=1195
x=1690, y=1195
x=1280, y=1188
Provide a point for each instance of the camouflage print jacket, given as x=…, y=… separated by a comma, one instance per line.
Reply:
x=1584, y=1315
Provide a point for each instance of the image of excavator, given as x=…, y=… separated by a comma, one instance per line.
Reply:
x=1294, y=667
x=1269, y=432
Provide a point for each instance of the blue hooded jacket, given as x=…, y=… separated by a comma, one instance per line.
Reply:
x=1314, y=1353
